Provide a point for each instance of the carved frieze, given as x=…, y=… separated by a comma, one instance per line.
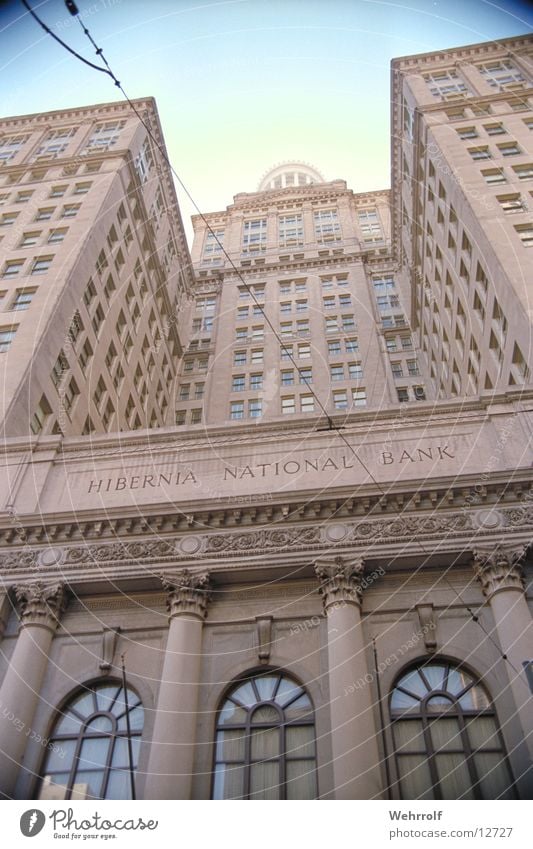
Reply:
x=188, y=592
x=174, y=548
x=40, y=603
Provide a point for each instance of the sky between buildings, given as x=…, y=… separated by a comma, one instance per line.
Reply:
x=244, y=84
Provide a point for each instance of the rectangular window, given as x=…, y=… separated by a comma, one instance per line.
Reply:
x=60, y=367
x=291, y=231
x=494, y=129
x=58, y=191
x=355, y=371
x=446, y=84
x=502, y=74
x=382, y=285
x=45, y=213
x=337, y=372
x=238, y=383
x=22, y=300
x=348, y=322
x=467, y=132
x=81, y=188
x=105, y=135
x=236, y=410
x=359, y=397
x=509, y=149
x=41, y=414
x=10, y=146
x=98, y=319
x=213, y=251
x=70, y=394
x=256, y=356
x=288, y=405
x=340, y=400
x=511, y=203
x=397, y=370
x=327, y=227
x=403, y=394
x=57, y=236
x=23, y=197
x=255, y=408
x=305, y=376
x=254, y=235
x=286, y=352
x=287, y=377
x=256, y=381
x=6, y=338
x=29, y=239
x=494, y=177
x=85, y=354
x=329, y=302
x=70, y=210
x=307, y=404
x=370, y=225
x=304, y=351
x=523, y=172
x=334, y=348
x=479, y=152
x=239, y=358
x=351, y=345
x=12, y=267
x=332, y=325
x=8, y=218
x=412, y=368
x=525, y=232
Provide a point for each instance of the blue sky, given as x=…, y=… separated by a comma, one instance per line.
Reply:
x=244, y=84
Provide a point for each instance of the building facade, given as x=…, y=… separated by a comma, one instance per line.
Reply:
x=317, y=582
x=95, y=267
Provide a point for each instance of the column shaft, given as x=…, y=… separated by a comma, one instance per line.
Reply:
x=21, y=687
x=171, y=762
x=173, y=740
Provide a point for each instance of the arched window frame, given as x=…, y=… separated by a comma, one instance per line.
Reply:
x=114, y=734
x=249, y=725
x=459, y=713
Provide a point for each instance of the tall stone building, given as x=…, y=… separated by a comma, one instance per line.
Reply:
x=95, y=268
x=319, y=577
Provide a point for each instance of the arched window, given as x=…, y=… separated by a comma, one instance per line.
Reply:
x=265, y=741
x=446, y=737
x=88, y=750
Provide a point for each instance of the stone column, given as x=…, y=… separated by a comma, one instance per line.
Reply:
x=170, y=765
x=41, y=606
x=353, y=731
x=499, y=570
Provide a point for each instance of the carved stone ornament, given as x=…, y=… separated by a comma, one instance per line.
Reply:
x=188, y=593
x=340, y=580
x=40, y=604
x=499, y=568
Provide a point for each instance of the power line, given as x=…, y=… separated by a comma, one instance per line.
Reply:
x=331, y=424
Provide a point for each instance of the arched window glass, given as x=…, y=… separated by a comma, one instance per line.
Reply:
x=265, y=741
x=446, y=737
x=88, y=755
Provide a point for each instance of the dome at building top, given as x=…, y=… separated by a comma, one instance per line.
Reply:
x=290, y=174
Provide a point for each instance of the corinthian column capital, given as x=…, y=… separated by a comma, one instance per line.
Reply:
x=340, y=580
x=499, y=568
x=188, y=592
x=41, y=604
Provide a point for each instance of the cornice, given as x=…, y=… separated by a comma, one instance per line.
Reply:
x=502, y=46
x=118, y=107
